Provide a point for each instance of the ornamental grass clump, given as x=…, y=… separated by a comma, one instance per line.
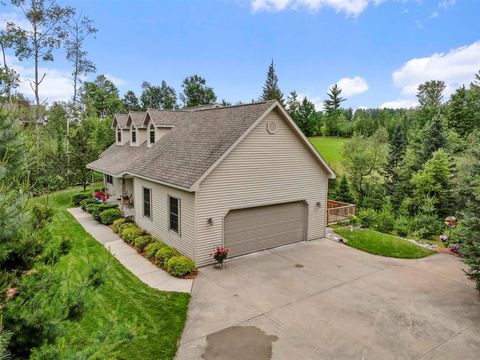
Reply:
x=142, y=241
x=180, y=266
x=152, y=249
x=163, y=255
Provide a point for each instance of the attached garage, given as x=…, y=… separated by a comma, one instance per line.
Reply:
x=258, y=228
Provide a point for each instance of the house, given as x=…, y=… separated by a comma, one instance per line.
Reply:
x=244, y=177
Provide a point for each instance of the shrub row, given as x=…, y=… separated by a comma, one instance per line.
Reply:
x=165, y=257
x=102, y=212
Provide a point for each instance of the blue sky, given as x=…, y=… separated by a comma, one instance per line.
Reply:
x=378, y=50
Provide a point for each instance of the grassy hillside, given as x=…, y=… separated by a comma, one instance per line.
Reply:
x=156, y=317
x=331, y=148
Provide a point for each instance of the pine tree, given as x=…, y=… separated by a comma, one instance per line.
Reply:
x=343, y=191
x=435, y=138
x=332, y=109
x=470, y=230
x=463, y=115
x=398, y=145
x=271, y=91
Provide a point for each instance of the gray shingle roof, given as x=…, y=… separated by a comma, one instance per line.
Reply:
x=117, y=158
x=137, y=118
x=120, y=119
x=196, y=141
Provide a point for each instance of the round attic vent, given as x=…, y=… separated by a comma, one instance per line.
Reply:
x=272, y=127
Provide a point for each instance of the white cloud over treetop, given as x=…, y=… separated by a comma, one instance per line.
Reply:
x=399, y=104
x=456, y=67
x=352, y=86
x=349, y=7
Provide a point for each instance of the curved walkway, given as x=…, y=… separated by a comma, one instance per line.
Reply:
x=128, y=257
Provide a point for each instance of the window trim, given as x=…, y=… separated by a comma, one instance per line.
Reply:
x=179, y=211
x=109, y=179
x=119, y=135
x=149, y=203
x=151, y=131
x=134, y=135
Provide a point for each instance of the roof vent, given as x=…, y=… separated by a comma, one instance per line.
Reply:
x=272, y=127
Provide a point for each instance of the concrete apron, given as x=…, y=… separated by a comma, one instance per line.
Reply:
x=128, y=257
x=325, y=300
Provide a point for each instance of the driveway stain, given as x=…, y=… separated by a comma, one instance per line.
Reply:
x=239, y=343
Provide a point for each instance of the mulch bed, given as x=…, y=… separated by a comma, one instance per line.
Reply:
x=446, y=251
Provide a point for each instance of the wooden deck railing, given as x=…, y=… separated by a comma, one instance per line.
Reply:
x=339, y=211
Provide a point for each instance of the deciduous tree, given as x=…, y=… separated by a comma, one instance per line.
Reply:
x=196, y=92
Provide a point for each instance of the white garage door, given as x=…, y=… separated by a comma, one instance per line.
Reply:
x=264, y=227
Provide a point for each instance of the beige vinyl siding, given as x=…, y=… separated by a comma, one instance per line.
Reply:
x=141, y=137
x=125, y=136
x=263, y=169
x=158, y=225
x=160, y=131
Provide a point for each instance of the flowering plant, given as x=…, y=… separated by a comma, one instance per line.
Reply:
x=454, y=248
x=443, y=238
x=101, y=196
x=220, y=254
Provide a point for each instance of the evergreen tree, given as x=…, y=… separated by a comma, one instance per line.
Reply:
x=332, y=109
x=397, y=148
x=168, y=96
x=476, y=81
x=430, y=97
x=469, y=235
x=293, y=107
x=343, y=191
x=435, y=138
x=271, y=91
x=463, y=115
x=130, y=101
x=196, y=92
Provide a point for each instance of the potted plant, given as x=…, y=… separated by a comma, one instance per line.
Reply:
x=220, y=255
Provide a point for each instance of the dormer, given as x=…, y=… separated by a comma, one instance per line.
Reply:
x=138, y=132
x=121, y=133
x=157, y=124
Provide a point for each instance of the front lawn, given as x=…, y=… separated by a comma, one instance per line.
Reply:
x=331, y=149
x=378, y=243
x=156, y=317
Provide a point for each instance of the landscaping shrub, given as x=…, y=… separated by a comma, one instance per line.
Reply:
x=124, y=226
x=101, y=208
x=89, y=201
x=131, y=233
x=42, y=213
x=77, y=198
x=110, y=215
x=180, y=266
x=164, y=254
x=367, y=217
x=402, y=226
x=116, y=225
x=152, y=249
x=385, y=220
x=142, y=241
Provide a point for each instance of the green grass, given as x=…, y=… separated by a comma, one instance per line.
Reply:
x=157, y=317
x=331, y=149
x=382, y=244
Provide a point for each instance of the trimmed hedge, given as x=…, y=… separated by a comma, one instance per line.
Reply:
x=124, y=226
x=101, y=208
x=152, y=249
x=89, y=201
x=108, y=216
x=116, y=225
x=131, y=233
x=180, y=266
x=163, y=255
x=142, y=241
x=77, y=198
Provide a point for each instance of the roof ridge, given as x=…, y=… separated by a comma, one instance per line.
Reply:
x=236, y=105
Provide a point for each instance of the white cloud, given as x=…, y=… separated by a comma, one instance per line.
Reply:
x=399, y=104
x=349, y=7
x=15, y=17
x=456, y=67
x=446, y=3
x=116, y=80
x=352, y=86
x=316, y=100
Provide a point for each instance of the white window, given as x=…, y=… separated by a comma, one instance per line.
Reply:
x=119, y=135
x=147, y=202
x=134, y=135
x=152, y=135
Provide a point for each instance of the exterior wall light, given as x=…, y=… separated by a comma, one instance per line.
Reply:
x=210, y=221
x=318, y=204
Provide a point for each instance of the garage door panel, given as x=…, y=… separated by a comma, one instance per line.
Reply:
x=253, y=229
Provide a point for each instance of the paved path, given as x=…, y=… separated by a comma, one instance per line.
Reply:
x=128, y=257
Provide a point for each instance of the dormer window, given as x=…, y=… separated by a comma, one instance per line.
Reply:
x=152, y=135
x=119, y=135
x=134, y=135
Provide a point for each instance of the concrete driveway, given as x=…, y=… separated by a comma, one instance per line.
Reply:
x=325, y=300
